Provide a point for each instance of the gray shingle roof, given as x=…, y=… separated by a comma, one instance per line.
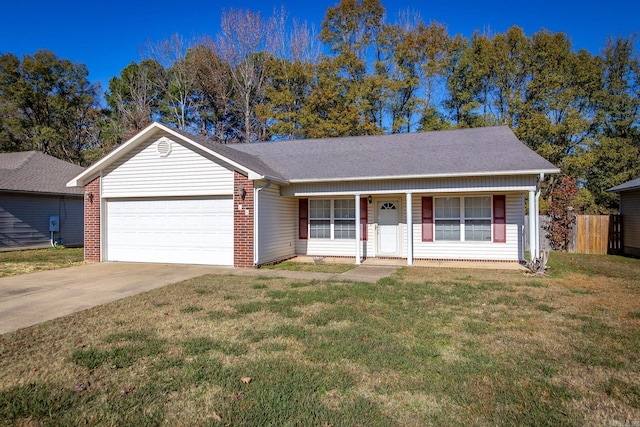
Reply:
x=247, y=160
x=478, y=151
x=35, y=172
x=629, y=185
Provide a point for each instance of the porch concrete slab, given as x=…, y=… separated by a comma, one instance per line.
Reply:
x=307, y=259
x=399, y=262
x=473, y=265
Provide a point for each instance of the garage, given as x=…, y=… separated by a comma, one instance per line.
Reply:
x=170, y=230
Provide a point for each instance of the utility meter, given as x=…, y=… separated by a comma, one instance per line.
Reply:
x=54, y=223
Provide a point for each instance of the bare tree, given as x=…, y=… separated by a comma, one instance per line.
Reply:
x=216, y=116
x=179, y=81
x=245, y=42
x=134, y=96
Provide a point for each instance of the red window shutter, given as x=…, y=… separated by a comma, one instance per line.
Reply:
x=427, y=219
x=363, y=218
x=499, y=219
x=303, y=219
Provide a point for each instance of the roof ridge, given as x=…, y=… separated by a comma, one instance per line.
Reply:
x=339, y=138
x=28, y=156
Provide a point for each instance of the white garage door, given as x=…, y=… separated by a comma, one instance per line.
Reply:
x=180, y=231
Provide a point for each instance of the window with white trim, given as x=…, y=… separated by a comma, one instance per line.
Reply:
x=477, y=219
x=332, y=219
x=462, y=218
x=344, y=223
x=320, y=219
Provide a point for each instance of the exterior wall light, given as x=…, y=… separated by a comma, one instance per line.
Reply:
x=242, y=192
x=89, y=197
x=370, y=199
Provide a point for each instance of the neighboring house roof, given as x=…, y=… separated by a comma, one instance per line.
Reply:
x=462, y=152
x=629, y=185
x=36, y=172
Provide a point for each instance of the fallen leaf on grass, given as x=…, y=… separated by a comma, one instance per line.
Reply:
x=215, y=417
x=245, y=380
x=126, y=389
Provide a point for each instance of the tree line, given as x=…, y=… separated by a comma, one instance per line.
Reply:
x=265, y=78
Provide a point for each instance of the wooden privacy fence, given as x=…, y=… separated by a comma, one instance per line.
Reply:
x=599, y=234
x=590, y=234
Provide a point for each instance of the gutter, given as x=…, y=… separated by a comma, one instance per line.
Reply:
x=442, y=175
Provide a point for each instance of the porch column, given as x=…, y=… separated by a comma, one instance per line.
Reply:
x=533, y=213
x=409, y=231
x=358, y=242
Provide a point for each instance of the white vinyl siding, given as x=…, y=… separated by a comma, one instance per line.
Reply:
x=326, y=247
x=473, y=250
x=170, y=230
x=24, y=220
x=630, y=210
x=278, y=225
x=183, y=172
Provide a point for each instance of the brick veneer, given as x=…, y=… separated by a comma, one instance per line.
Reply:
x=242, y=222
x=92, y=222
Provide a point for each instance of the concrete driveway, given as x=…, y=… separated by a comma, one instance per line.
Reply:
x=29, y=299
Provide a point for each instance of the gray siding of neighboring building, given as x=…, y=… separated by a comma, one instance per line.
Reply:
x=630, y=210
x=24, y=220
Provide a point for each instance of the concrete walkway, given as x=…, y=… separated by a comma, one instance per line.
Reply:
x=29, y=299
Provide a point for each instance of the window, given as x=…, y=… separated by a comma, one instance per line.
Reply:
x=320, y=219
x=463, y=218
x=477, y=219
x=447, y=218
x=344, y=212
x=332, y=219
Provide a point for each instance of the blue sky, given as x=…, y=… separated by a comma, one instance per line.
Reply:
x=108, y=35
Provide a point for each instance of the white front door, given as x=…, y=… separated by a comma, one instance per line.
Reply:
x=388, y=218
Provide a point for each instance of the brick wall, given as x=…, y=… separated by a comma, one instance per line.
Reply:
x=242, y=222
x=92, y=222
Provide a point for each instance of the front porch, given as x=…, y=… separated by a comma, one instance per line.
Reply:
x=482, y=229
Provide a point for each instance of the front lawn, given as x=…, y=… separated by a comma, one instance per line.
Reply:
x=29, y=261
x=425, y=347
x=313, y=267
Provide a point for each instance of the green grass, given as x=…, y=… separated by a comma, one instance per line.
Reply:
x=21, y=262
x=317, y=268
x=423, y=347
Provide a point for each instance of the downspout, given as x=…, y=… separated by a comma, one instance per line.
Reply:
x=256, y=197
x=538, y=190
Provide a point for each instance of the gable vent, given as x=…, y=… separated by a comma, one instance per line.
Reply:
x=163, y=147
